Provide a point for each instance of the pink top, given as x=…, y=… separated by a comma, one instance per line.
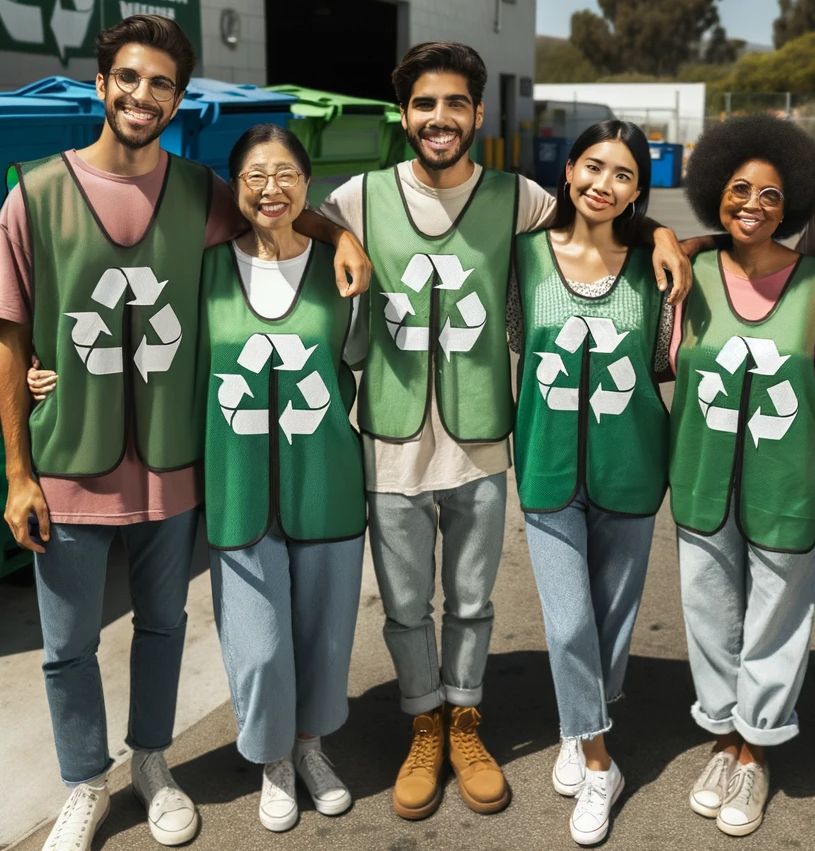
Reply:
x=752, y=300
x=131, y=493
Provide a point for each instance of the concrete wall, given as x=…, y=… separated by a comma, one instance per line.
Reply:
x=510, y=51
x=245, y=63
x=20, y=69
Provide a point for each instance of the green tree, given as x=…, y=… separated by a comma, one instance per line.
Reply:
x=790, y=69
x=559, y=61
x=644, y=37
x=796, y=18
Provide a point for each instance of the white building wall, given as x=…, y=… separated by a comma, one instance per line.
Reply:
x=510, y=51
x=245, y=63
x=680, y=106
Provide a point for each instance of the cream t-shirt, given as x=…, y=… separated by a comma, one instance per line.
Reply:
x=433, y=460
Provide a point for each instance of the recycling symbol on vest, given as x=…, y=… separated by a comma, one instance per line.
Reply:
x=768, y=361
x=419, y=271
x=109, y=290
x=570, y=338
x=254, y=356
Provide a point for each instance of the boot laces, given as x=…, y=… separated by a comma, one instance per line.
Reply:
x=423, y=750
x=466, y=738
x=74, y=819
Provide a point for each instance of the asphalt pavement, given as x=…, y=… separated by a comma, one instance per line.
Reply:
x=654, y=740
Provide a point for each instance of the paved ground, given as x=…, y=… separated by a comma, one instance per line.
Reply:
x=654, y=741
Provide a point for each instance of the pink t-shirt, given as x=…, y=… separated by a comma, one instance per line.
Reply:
x=125, y=205
x=751, y=299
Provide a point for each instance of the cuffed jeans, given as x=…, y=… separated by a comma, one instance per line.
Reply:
x=748, y=616
x=286, y=614
x=590, y=570
x=70, y=587
x=403, y=540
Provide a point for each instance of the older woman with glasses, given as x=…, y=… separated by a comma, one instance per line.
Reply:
x=743, y=456
x=285, y=502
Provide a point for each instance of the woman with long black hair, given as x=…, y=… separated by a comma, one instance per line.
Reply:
x=591, y=443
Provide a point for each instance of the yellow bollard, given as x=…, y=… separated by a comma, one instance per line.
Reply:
x=500, y=164
x=488, y=152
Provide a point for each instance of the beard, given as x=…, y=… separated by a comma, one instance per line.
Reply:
x=130, y=138
x=446, y=159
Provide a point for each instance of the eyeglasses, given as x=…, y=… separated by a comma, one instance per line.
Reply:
x=128, y=81
x=769, y=197
x=285, y=178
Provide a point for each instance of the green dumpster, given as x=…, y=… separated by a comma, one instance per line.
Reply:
x=12, y=557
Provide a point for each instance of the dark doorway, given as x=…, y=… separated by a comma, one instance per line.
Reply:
x=344, y=46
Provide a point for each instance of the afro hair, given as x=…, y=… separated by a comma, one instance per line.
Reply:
x=723, y=147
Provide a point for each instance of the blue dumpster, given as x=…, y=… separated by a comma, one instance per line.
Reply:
x=551, y=156
x=228, y=109
x=666, y=164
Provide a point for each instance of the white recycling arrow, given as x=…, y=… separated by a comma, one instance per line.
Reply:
x=159, y=358
x=259, y=347
x=230, y=394
x=89, y=325
x=86, y=331
x=615, y=401
x=786, y=406
x=571, y=335
x=418, y=272
x=463, y=339
x=408, y=338
x=22, y=22
x=113, y=283
x=306, y=421
x=606, y=338
x=558, y=398
x=70, y=27
x=765, y=354
x=452, y=273
x=732, y=355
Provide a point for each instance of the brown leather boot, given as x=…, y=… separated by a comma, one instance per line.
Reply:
x=480, y=780
x=417, y=793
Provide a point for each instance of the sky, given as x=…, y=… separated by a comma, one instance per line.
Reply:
x=751, y=20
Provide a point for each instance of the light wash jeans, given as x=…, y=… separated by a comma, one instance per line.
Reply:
x=403, y=540
x=748, y=615
x=286, y=614
x=590, y=570
x=70, y=588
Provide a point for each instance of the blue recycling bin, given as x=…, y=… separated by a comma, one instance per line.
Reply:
x=551, y=156
x=666, y=164
x=228, y=109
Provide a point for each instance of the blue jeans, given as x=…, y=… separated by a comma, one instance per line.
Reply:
x=590, y=570
x=403, y=541
x=748, y=616
x=286, y=615
x=70, y=588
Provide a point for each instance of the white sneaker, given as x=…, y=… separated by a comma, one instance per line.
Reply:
x=590, y=819
x=171, y=814
x=278, y=797
x=329, y=793
x=743, y=807
x=79, y=819
x=711, y=787
x=569, y=770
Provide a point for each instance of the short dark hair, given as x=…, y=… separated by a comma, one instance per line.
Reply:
x=152, y=31
x=725, y=146
x=439, y=56
x=627, y=226
x=257, y=135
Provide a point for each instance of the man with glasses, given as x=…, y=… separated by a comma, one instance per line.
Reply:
x=100, y=256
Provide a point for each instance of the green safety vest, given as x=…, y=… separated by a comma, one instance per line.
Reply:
x=118, y=324
x=743, y=416
x=589, y=410
x=279, y=446
x=438, y=313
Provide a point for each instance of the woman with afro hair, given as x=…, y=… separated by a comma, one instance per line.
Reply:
x=743, y=456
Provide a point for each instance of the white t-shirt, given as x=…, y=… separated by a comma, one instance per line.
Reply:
x=433, y=460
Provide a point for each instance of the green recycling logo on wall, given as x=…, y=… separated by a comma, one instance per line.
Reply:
x=67, y=28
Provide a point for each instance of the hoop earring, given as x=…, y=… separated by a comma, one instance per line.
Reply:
x=633, y=209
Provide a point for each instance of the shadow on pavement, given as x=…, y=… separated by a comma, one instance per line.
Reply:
x=652, y=728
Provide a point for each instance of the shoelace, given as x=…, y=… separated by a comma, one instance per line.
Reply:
x=745, y=779
x=590, y=790
x=280, y=775
x=423, y=751
x=162, y=788
x=716, y=770
x=75, y=816
x=469, y=743
x=319, y=767
x=572, y=754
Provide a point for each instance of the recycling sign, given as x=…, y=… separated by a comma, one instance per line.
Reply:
x=768, y=361
x=90, y=325
x=419, y=271
x=559, y=395
x=293, y=356
x=67, y=28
